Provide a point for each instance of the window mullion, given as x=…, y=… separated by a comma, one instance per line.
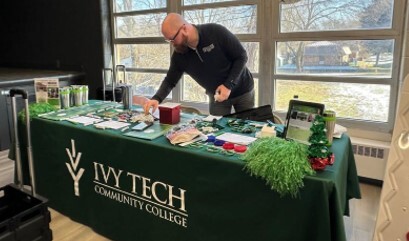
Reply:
x=266, y=52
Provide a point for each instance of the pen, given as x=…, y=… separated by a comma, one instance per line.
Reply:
x=270, y=123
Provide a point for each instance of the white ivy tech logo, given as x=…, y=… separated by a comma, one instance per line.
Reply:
x=73, y=167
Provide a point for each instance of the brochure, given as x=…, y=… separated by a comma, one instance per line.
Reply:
x=47, y=91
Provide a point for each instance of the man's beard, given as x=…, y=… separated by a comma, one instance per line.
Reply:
x=181, y=48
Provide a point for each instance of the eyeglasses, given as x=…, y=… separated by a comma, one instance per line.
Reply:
x=174, y=37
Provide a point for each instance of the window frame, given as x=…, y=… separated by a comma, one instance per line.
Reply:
x=268, y=15
x=395, y=33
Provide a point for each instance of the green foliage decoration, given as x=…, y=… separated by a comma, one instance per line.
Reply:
x=36, y=109
x=318, y=139
x=283, y=164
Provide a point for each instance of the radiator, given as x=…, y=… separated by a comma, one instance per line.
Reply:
x=370, y=157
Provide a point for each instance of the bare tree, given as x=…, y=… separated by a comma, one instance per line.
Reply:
x=315, y=15
x=378, y=15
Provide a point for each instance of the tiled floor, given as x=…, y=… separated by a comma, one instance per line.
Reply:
x=361, y=223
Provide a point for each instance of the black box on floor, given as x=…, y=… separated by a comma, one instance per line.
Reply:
x=22, y=216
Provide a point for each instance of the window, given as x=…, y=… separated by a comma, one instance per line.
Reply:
x=138, y=42
x=344, y=54
x=333, y=15
x=340, y=53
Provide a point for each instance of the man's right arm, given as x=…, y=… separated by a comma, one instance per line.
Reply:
x=150, y=103
x=172, y=78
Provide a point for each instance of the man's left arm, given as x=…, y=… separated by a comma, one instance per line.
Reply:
x=237, y=54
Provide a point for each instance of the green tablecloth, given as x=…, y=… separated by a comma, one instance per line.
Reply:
x=134, y=189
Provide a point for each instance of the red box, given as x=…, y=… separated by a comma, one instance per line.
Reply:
x=169, y=113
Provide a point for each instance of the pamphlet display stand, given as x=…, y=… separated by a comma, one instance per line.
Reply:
x=23, y=216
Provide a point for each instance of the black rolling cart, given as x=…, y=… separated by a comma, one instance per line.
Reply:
x=24, y=215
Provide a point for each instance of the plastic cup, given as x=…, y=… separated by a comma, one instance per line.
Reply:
x=330, y=119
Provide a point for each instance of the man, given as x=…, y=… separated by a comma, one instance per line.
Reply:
x=214, y=58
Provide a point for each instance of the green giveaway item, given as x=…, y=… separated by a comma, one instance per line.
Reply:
x=283, y=164
x=36, y=109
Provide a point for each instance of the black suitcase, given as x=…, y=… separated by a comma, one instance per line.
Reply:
x=105, y=92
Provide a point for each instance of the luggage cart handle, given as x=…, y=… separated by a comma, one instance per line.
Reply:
x=24, y=93
x=121, y=68
x=21, y=92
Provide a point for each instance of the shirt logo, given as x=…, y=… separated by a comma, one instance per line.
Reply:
x=208, y=48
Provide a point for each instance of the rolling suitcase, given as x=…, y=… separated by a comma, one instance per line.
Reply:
x=24, y=215
x=127, y=89
x=105, y=92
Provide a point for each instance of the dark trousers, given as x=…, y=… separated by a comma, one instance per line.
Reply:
x=239, y=103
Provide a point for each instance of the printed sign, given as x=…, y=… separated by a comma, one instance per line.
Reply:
x=47, y=91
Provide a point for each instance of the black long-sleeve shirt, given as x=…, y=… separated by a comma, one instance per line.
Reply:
x=218, y=59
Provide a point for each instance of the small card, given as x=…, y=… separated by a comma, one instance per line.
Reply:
x=210, y=118
x=236, y=138
x=111, y=125
x=85, y=120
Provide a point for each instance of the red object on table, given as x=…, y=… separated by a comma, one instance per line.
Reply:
x=169, y=113
x=228, y=146
x=319, y=164
x=239, y=148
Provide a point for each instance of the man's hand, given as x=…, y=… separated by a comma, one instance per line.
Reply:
x=150, y=103
x=222, y=93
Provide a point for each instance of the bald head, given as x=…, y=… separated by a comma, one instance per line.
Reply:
x=172, y=23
